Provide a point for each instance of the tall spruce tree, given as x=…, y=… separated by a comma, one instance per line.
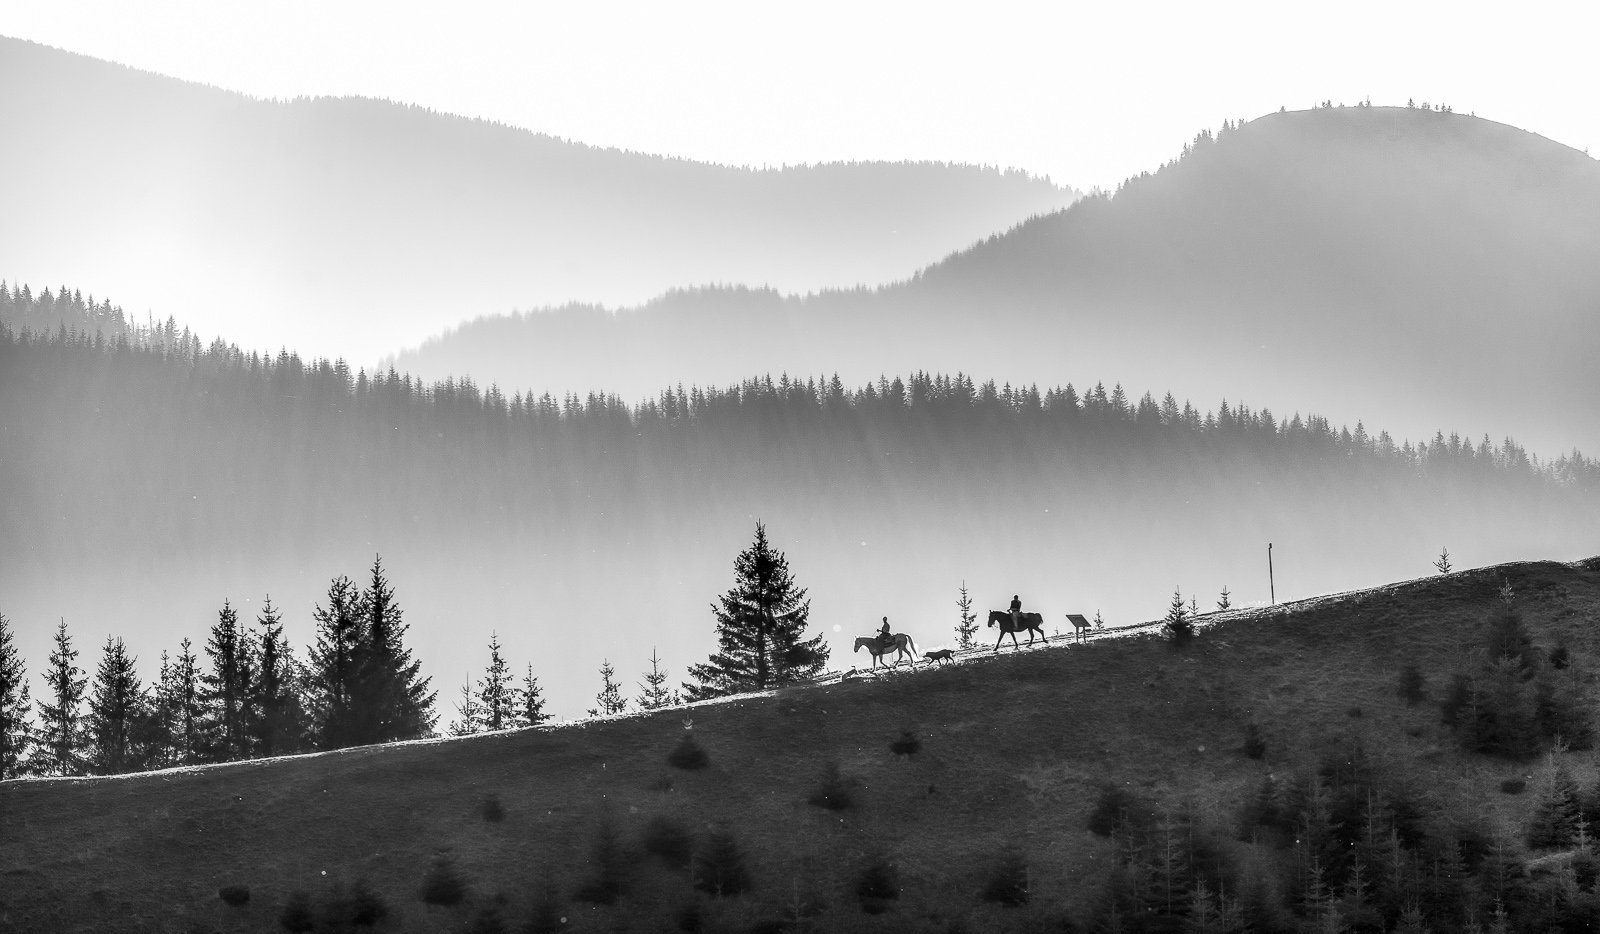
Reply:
x=469, y=719
x=227, y=688
x=496, y=699
x=761, y=623
x=530, y=702
x=610, y=698
x=180, y=712
x=278, y=725
x=653, y=693
x=968, y=627
x=393, y=702
x=60, y=746
x=335, y=667
x=119, y=718
x=16, y=730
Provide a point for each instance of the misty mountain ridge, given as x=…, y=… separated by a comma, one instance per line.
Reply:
x=1415, y=266
x=349, y=226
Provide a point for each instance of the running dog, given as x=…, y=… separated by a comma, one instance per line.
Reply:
x=940, y=655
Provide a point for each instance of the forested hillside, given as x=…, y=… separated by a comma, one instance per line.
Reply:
x=1440, y=265
x=354, y=227
x=144, y=486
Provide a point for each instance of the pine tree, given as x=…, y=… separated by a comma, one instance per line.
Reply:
x=60, y=744
x=1443, y=561
x=117, y=725
x=227, y=687
x=278, y=725
x=1178, y=624
x=653, y=693
x=334, y=667
x=391, y=700
x=967, y=629
x=530, y=705
x=180, y=715
x=470, y=717
x=1224, y=602
x=761, y=624
x=16, y=731
x=610, y=697
x=496, y=700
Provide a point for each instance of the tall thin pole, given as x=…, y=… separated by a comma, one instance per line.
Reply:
x=1272, y=586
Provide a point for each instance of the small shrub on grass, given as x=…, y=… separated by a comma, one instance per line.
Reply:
x=443, y=886
x=356, y=907
x=1118, y=809
x=1413, y=687
x=1255, y=746
x=1513, y=786
x=610, y=862
x=1354, y=713
x=296, y=915
x=906, y=745
x=545, y=917
x=876, y=886
x=1560, y=657
x=669, y=840
x=833, y=792
x=491, y=810
x=720, y=870
x=1008, y=881
x=688, y=755
x=235, y=895
x=489, y=921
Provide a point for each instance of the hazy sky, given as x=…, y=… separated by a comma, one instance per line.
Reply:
x=1085, y=94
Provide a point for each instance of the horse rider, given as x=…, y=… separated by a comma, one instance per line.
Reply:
x=885, y=638
x=1016, y=613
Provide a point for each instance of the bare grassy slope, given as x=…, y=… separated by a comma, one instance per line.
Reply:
x=1014, y=750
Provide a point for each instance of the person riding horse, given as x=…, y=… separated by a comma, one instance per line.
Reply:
x=1016, y=611
x=885, y=638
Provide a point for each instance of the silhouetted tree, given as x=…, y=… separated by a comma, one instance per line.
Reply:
x=761, y=623
x=16, y=730
x=1223, y=602
x=1443, y=561
x=179, y=710
x=227, y=687
x=653, y=693
x=1178, y=625
x=119, y=718
x=335, y=667
x=610, y=698
x=496, y=701
x=469, y=719
x=530, y=703
x=278, y=724
x=967, y=629
x=392, y=700
x=61, y=740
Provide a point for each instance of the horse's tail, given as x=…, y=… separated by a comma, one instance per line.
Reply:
x=912, y=644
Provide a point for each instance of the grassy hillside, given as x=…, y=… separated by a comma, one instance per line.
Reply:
x=1016, y=750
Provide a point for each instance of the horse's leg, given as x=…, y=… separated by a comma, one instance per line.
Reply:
x=999, y=640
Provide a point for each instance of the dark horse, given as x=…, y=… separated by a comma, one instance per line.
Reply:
x=1032, y=622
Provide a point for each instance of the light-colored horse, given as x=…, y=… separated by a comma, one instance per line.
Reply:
x=1032, y=622
x=900, y=644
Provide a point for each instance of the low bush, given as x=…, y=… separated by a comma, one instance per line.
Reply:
x=296, y=916
x=610, y=862
x=1118, y=809
x=1413, y=687
x=489, y=921
x=1008, y=880
x=491, y=810
x=876, y=886
x=1513, y=786
x=688, y=755
x=833, y=792
x=1255, y=746
x=720, y=869
x=669, y=840
x=356, y=907
x=443, y=886
x=235, y=895
x=906, y=745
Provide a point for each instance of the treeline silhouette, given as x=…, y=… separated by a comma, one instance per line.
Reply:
x=246, y=695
